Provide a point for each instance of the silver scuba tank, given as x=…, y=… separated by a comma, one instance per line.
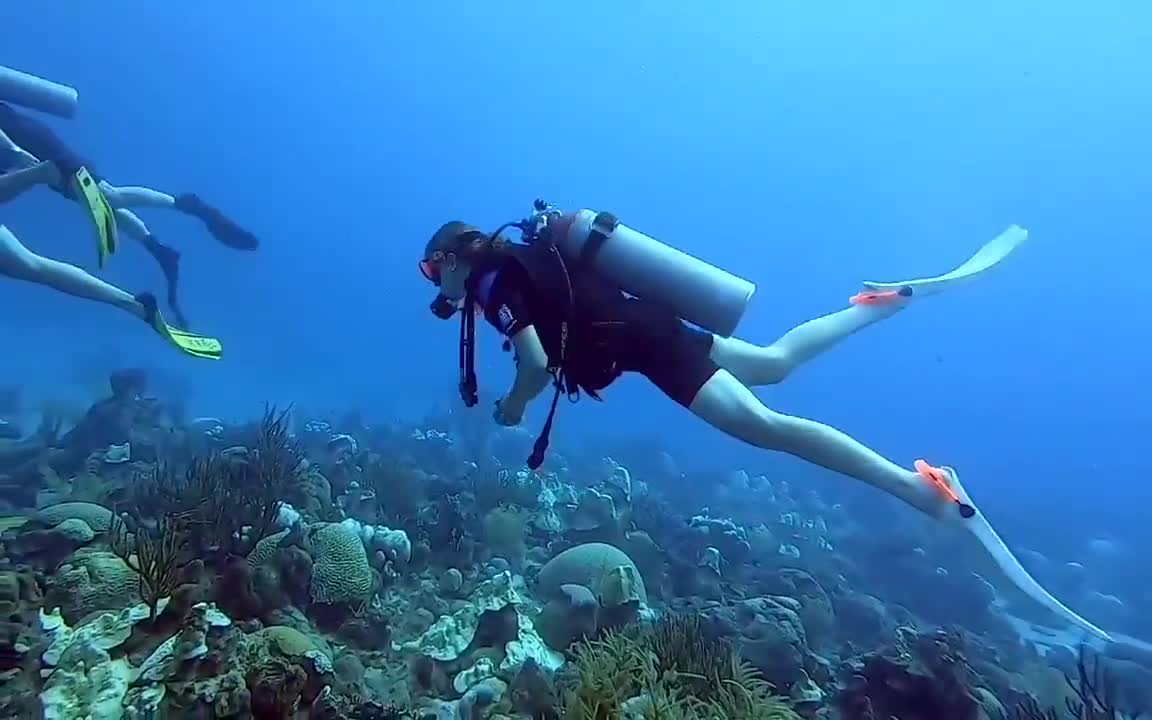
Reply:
x=34, y=93
x=640, y=265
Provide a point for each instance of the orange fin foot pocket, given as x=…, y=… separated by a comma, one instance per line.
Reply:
x=942, y=482
x=880, y=297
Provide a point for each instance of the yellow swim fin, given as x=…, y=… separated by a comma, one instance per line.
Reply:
x=200, y=346
x=99, y=211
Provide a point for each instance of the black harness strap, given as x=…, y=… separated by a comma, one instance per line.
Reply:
x=468, y=384
x=536, y=459
x=603, y=225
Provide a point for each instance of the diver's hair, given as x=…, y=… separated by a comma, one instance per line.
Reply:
x=499, y=245
x=469, y=242
x=478, y=247
x=465, y=240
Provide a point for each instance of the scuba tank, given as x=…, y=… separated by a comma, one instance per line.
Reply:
x=36, y=93
x=644, y=267
x=627, y=259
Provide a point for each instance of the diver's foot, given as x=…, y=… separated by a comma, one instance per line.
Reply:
x=148, y=307
x=222, y=227
x=943, y=481
x=177, y=312
x=894, y=299
x=168, y=258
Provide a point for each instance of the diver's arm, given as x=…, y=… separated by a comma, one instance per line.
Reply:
x=532, y=375
x=17, y=157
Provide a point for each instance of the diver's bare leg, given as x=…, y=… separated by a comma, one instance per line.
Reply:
x=16, y=183
x=14, y=156
x=136, y=197
x=132, y=225
x=767, y=365
x=219, y=225
x=22, y=170
x=18, y=262
x=732, y=408
x=727, y=405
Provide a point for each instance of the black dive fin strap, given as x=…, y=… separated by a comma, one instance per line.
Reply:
x=603, y=225
x=536, y=459
x=468, y=384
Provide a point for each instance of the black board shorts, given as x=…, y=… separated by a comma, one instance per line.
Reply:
x=41, y=141
x=674, y=356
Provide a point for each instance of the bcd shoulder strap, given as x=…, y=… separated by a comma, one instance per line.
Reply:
x=563, y=282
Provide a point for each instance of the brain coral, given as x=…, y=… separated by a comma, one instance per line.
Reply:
x=94, y=580
x=340, y=571
x=97, y=517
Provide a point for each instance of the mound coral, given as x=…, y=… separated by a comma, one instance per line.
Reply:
x=604, y=569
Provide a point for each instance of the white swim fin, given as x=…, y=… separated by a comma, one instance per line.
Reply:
x=985, y=258
x=979, y=527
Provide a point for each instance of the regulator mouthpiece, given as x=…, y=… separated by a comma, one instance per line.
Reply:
x=443, y=307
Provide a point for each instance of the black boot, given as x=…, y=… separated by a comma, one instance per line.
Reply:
x=148, y=301
x=222, y=228
x=168, y=259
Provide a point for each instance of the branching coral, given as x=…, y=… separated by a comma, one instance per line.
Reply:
x=1096, y=696
x=227, y=503
x=156, y=556
x=670, y=672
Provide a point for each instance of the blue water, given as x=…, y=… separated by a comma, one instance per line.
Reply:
x=807, y=146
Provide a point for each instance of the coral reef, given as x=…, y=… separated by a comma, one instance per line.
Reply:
x=156, y=566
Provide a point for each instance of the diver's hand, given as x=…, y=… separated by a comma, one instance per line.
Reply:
x=508, y=412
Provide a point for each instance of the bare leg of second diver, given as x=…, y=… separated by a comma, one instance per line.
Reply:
x=219, y=225
x=16, y=183
x=727, y=405
x=22, y=171
x=135, y=197
x=18, y=262
x=731, y=407
x=755, y=365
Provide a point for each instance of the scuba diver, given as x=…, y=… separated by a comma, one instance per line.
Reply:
x=32, y=154
x=582, y=299
x=20, y=263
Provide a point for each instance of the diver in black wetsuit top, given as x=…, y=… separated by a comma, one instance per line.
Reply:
x=583, y=299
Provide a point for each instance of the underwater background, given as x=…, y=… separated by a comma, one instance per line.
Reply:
x=805, y=146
